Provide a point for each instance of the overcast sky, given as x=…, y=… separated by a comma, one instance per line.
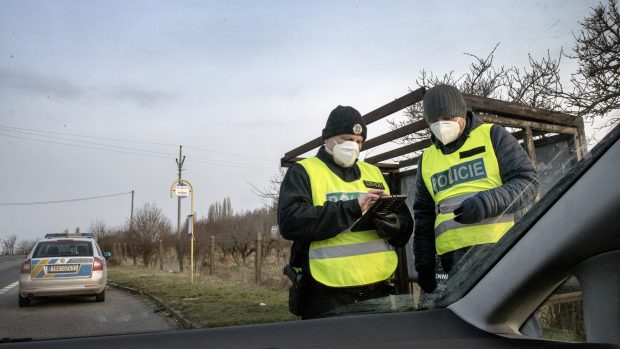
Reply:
x=96, y=96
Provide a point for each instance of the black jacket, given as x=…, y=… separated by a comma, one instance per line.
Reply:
x=519, y=189
x=302, y=222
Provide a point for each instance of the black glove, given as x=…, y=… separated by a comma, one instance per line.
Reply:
x=388, y=225
x=426, y=279
x=471, y=211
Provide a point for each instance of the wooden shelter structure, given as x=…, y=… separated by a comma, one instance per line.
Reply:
x=532, y=122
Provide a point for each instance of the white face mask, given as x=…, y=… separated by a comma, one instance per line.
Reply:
x=446, y=131
x=345, y=153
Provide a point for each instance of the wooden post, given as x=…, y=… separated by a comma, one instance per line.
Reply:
x=131, y=216
x=529, y=145
x=161, y=255
x=580, y=144
x=259, y=244
x=114, y=250
x=212, y=255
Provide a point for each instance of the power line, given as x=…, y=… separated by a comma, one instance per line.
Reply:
x=82, y=146
x=230, y=164
x=145, y=152
x=93, y=143
x=129, y=150
x=9, y=128
x=86, y=136
x=226, y=153
x=58, y=201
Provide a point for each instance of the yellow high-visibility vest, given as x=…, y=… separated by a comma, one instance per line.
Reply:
x=349, y=258
x=452, y=178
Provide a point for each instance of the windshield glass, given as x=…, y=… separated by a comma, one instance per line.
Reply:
x=221, y=153
x=557, y=165
x=477, y=261
x=63, y=249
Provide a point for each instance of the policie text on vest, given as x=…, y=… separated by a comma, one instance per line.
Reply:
x=459, y=173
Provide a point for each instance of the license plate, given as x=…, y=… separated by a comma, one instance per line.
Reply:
x=68, y=268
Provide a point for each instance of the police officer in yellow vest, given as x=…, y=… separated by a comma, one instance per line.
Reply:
x=322, y=196
x=469, y=184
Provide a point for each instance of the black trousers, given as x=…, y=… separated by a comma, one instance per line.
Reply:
x=450, y=259
x=323, y=301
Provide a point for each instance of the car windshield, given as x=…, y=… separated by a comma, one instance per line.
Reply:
x=559, y=169
x=189, y=149
x=63, y=249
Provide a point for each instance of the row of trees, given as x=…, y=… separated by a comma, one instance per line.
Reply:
x=11, y=245
x=236, y=233
x=151, y=236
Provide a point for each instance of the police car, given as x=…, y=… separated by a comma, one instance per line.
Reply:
x=63, y=265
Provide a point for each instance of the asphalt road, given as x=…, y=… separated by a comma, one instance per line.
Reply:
x=73, y=316
x=9, y=269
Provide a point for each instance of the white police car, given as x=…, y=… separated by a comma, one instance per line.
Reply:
x=63, y=265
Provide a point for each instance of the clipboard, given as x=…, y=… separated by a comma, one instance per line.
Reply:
x=383, y=205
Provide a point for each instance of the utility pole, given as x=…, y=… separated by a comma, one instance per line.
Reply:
x=180, y=160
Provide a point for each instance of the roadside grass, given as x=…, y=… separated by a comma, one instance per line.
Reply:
x=210, y=301
x=213, y=302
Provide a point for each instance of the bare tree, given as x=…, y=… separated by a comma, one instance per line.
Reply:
x=236, y=233
x=231, y=231
x=218, y=223
x=269, y=195
x=538, y=85
x=150, y=225
x=266, y=219
x=8, y=244
x=240, y=238
x=98, y=229
x=597, y=49
x=24, y=246
x=483, y=79
x=595, y=91
x=202, y=236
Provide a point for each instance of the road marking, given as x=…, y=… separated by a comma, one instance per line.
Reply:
x=9, y=287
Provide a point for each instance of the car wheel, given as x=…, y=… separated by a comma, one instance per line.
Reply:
x=23, y=301
x=100, y=297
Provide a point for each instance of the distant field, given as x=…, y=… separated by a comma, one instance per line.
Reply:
x=209, y=302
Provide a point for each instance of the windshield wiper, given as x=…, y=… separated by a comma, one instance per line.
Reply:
x=14, y=340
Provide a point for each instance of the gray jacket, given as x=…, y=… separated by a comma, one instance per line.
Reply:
x=519, y=189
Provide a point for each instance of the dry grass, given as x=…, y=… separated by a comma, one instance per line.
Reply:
x=563, y=335
x=231, y=296
x=210, y=301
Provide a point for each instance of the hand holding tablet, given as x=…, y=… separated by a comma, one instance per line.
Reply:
x=382, y=206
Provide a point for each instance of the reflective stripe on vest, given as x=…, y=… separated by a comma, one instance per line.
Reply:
x=451, y=179
x=349, y=258
x=349, y=250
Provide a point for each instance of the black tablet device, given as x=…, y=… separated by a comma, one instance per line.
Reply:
x=383, y=205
